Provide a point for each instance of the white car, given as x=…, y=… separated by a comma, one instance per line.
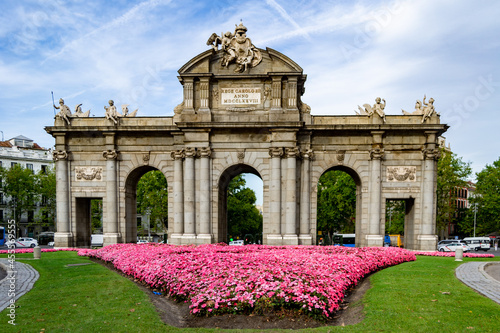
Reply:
x=238, y=242
x=142, y=241
x=451, y=247
x=24, y=242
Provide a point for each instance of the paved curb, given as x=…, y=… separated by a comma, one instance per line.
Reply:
x=473, y=275
x=23, y=276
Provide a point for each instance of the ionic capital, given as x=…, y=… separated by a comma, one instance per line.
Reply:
x=110, y=154
x=59, y=155
x=292, y=152
x=276, y=152
x=307, y=154
x=190, y=152
x=205, y=152
x=177, y=154
x=377, y=154
x=431, y=154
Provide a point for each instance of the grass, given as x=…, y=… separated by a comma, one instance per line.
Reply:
x=420, y=296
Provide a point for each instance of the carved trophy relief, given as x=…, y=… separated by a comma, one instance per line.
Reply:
x=401, y=174
x=88, y=173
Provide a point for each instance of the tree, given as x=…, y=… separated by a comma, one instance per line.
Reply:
x=46, y=192
x=336, y=203
x=242, y=215
x=152, y=195
x=452, y=173
x=395, y=212
x=487, y=198
x=19, y=186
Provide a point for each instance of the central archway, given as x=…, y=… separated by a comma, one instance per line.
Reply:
x=224, y=180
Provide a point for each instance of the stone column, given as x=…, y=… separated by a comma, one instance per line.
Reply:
x=305, y=237
x=274, y=235
x=204, y=236
x=111, y=234
x=63, y=236
x=189, y=196
x=290, y=237
x=178, y=156
x=374, y=238
x=427, y=238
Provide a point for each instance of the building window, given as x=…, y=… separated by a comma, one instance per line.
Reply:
x=1, y=215
x=12, y=164
x=29, y=166
x=31, y=216
x=44, y=169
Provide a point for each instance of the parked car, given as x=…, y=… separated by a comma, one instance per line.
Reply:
x=450, y=241
x=451, y=247
x=237, y=242
x=142, y=241
x=51, y=244
x=24, y=242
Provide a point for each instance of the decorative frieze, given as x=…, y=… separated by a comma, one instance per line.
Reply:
x=88, y=173
x=401, y=174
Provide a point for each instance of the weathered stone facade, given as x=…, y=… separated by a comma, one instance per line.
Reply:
x=253, y=121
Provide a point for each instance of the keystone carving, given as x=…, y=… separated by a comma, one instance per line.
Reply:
x=340, y=156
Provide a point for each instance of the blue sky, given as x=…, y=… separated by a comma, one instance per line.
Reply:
x=89, y=51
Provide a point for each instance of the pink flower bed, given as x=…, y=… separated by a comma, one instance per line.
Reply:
x=452, y=254
x=217, y=278
x=30, y=250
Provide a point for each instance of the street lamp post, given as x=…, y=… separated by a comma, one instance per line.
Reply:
x=475, y=212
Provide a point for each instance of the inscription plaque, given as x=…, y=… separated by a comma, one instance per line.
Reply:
x=239, y=96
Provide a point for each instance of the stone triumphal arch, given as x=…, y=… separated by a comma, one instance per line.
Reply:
x=242, y=111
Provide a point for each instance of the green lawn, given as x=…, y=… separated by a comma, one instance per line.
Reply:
x=420, y=296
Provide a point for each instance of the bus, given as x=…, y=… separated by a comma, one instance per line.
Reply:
x=478, y=243
x=2, y=236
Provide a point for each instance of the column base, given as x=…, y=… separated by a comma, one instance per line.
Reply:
x=273, y=240
x=374, y=240
x=290, y=240
x=175, y=239
x=204, y=239
x=305, y=240
x=427, y=242
x=188, y=239
x=63, y=240
x=111, y=238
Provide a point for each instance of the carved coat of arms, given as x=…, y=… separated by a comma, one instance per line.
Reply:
x=238, y=49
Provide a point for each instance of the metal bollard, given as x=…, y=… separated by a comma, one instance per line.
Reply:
x=459, y=254
x=37, y=252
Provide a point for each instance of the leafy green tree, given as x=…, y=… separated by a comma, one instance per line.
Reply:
x=452, y=173
x=487, y=198
x=395, y=213
x=242, y=215
x=46, y=191
x=152, y=195
x=96, y=214
x=336, y=203
x=19, y=186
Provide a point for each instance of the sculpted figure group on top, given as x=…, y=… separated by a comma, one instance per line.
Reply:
x=421, y=108
x=111, y=113
x=238, y=49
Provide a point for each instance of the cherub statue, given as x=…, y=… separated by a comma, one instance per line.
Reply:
x=428, y=109
x=423, y=108
x=65, y=112
x=377, y=108
x=111, y=112
x=79, y=113
x=214, y=40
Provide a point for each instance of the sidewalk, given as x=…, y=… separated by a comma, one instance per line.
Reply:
x=23, y=276
x=473, y=275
